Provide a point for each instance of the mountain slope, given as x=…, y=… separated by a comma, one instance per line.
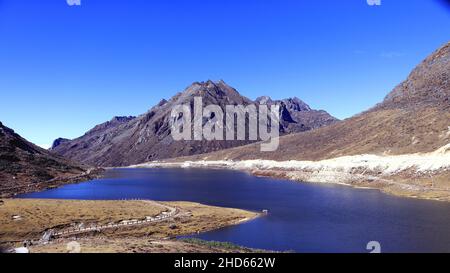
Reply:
x=414, y=117
x=23, y=163
x=148, y=137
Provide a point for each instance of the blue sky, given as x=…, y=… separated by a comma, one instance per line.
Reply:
x=64, y=69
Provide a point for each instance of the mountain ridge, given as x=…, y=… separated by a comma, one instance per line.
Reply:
x=147, y=137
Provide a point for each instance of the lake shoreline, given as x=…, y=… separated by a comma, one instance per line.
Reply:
x=392, y=184
x=299, y=216
x=94, y=173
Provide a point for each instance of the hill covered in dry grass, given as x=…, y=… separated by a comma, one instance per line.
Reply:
x=24, y=165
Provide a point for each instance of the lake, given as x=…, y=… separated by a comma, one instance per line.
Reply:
x=302, y=217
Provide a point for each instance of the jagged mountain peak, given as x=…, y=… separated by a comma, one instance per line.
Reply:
x=207, y=85
x=264, y=100
x=128, y=140
x=212, y=92
x=210, y=83
x=296, y=104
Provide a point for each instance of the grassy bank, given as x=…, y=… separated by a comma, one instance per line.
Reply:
x=28, y=219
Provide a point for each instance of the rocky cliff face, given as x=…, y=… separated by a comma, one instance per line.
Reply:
x=127, y=141
x=23, y=163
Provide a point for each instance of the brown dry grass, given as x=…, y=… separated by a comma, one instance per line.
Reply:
x=135, y=245
x=435, y=187
x=40, y=215
x=199, y=218
x=406, y=184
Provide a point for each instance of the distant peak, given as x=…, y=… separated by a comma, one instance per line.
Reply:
x=296, y=99
x=58, y=142
x=212, y=92
x=296, y=104
x=264, y=100
x=210, y=83
x=213, y=87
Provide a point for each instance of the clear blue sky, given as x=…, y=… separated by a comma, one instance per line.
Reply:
x=64, y=69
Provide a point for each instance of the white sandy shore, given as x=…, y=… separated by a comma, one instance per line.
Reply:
x=367, y=170
x=382, y=164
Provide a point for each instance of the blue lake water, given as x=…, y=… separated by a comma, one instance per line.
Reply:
x=302, y=217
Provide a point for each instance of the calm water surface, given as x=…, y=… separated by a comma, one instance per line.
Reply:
x=302, y=217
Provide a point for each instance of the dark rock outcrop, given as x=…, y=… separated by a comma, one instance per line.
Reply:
x=58, y=142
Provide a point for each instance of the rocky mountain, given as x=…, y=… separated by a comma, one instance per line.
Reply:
x=58, y=142
x=92, y=135
x=428, y=83
x=23, y=164
x=132, y=140
x=413, y=118
x=297, y=116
